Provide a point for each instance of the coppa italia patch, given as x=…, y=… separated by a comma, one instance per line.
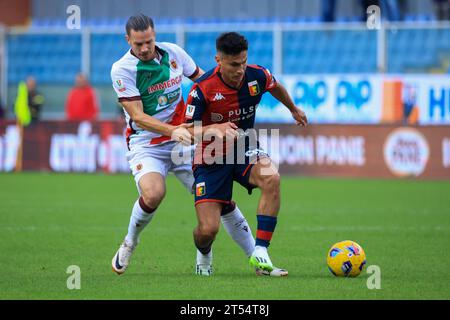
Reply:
x=190, y=109
x=120, y=85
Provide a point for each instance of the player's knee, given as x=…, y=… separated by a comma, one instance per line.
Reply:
x=209, y=231
x=271, y=183
x=153, y=198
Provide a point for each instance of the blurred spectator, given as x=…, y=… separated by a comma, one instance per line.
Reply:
x=35, y=99
x=328, y=8
x=442, y=8
x=81, y=102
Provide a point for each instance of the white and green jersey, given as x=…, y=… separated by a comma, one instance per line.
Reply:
x=157, y=83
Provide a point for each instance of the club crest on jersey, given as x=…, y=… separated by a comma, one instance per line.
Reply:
x=120, y=85
x=139, y=167
x=200, y=189
x=190, y=109
x=253, y=87
x=173, y=64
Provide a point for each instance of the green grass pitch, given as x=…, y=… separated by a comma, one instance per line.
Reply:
x=51, y=221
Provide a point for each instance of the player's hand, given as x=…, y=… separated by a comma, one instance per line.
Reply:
x=181, y=134
x=299, y=117
x=227, y=130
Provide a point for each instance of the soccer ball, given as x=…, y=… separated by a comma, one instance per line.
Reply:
x=346, y=259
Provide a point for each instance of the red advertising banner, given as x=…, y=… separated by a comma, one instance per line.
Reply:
x=317, y=150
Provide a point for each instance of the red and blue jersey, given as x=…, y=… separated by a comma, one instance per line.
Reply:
x=212, y=101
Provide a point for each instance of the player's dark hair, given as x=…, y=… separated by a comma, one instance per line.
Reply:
x=140, y=22
x=231, y=43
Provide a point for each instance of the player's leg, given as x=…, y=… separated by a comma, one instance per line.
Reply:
x=232, y=218
x=149, y=173
x=208, y=216
x=152, y=191
x=237, y=227
x=213, y=189
x=263, y=175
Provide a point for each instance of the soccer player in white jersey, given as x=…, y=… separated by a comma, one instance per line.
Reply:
x=147, y=80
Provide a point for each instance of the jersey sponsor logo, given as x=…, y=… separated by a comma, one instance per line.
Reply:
x=253, y=87
x=239, y=112
x=200, y=189
x=166, y=84
x=162, y=100
x=173, y=64
x=190, y=109
x=218, y=97
x=194, y=94
x=166, y=99
x=216, y=117
x=120, y=85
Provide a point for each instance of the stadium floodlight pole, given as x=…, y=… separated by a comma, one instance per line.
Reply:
x=180, y=35
x=277, y=49
x=381, y=48
x=85, y=51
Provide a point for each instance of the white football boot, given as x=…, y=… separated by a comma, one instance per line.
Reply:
x=204, y=263
x=276, y=272
x=121, y=259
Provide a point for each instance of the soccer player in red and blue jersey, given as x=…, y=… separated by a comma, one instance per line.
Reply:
x=225, y=101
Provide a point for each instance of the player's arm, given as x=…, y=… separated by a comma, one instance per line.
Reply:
x=280, y=93
x=197, y=74
x=135, y=109
x=129, y=97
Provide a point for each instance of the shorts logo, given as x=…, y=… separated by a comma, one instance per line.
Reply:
x=139, y=167
x=253, y=87
x=256, y=152
x=200, y=189
x=190, y=109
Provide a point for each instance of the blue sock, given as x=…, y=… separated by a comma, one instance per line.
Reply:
x=266, y=227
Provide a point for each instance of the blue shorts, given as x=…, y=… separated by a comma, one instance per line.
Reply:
x=214, y=183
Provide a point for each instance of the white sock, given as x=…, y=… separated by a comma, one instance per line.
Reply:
x=138, y=221
x=238, y=228
x=204, y=258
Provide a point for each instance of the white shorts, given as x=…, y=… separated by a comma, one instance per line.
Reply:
x=163, y=158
